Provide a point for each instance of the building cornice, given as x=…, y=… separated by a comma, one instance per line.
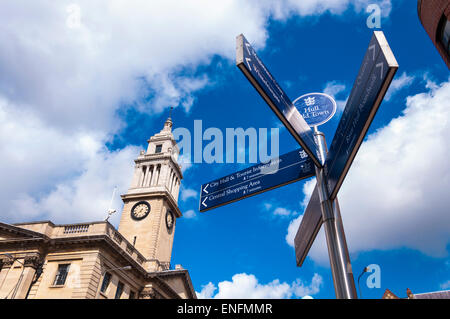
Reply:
x=13, y=229
x=35, y=222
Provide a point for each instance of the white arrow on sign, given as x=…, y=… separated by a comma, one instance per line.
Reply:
x=248, y=63
x=372, y=47
x=247, y=45
x=204, y=189
x=203, y=203
x=380, y=65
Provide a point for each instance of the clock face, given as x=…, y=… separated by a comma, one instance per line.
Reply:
x=169, y=220
x=140, y=210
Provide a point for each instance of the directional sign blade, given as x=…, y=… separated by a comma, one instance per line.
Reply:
x=309, y=227
x=375, y=75
x=259, y=76
x=287, y=168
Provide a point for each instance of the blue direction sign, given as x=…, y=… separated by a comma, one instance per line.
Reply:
x=309, y=227
x=375, y=75
x=279, y=171
x=316, y=108
x=256, y=72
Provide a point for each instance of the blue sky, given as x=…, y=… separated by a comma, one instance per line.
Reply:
x=83, y=86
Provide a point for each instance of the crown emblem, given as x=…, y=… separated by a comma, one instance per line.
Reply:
x=310, y=101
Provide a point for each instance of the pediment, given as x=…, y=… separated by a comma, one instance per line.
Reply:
x=4, y=235
x=180, y=282
x=9, y=232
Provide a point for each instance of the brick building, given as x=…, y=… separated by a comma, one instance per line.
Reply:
x=435, y=18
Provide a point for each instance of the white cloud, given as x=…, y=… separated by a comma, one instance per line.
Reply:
x=48, y=174
x=398, y=84
x=190, y=214
x=281, y=211
x=76, y=62
x=248, y=287
x=308, y=188
x=69, y=66
x=335, y=89
x=286, y=8
x=120, y=51
x=445, y=285
x=396, y=193
x=278, y=211
x=207, y=291
x=187, y=193
x=300, y=289
x=292, y=230
x=184, y=160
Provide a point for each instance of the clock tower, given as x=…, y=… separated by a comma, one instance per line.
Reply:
x=150, y=206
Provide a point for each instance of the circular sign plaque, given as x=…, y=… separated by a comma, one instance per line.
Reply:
x=316, y=108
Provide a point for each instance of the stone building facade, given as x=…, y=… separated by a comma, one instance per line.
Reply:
x=435, y=18
x=95, y=260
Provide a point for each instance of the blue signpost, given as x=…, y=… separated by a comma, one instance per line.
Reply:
x=256, y=72
x=287, y=168
x=309, y=227
x=316, y=108
x=375, y=75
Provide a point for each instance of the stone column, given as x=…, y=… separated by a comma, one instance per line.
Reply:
x=153, y=179
x=172, y=175
x=30, y=264
x=141, y=176
x=148, y=175
x=174, y=180
x=165, y=174
x=177, y=191
x=6, y=264
x=157, y=174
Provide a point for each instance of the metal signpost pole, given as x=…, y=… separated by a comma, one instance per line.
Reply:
x=341, y=268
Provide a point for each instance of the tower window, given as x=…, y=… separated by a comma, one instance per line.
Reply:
x=61, y=275
x=105, y=283
x=158, y=148
x=132, y=295
x=119, y=290
x=444, y=34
